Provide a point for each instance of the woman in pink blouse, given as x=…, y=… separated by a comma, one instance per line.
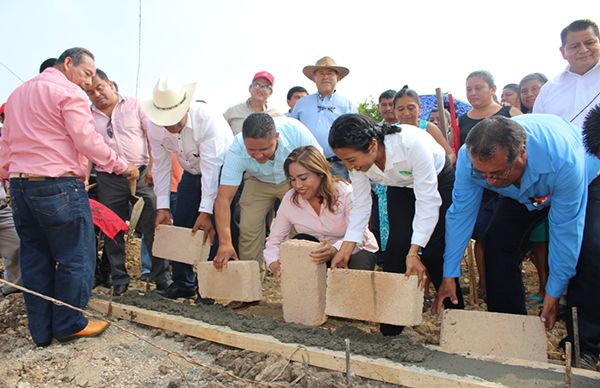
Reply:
x=317, y=207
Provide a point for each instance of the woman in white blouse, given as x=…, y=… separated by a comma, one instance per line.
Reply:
x=419, y=179
x=317, y=208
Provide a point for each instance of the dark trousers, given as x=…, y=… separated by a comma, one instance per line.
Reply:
x=401, y=211
x=189, y=194
x=584, y=291
x=505, y=243
x=114, y=192
x=58, y=258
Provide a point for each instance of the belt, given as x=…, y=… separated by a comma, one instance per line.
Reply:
x=334, y=158
x=33, y=177
x=140, y=169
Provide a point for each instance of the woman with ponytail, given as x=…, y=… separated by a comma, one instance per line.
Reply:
x=419, y=179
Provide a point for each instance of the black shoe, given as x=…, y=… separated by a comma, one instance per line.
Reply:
x=204, y=301
x=103, y=280
x=120, y=289
x=43, y=344
x=239, y=305
x=11, y=291
x=174, y=292
x=162, y=286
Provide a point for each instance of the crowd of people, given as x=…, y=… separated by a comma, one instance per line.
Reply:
x=396, y=194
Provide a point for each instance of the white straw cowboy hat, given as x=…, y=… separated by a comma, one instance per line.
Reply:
x=169, y=101
x=325, y=63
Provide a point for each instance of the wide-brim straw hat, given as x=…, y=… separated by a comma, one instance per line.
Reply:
x=169, y=101
x=325, y=63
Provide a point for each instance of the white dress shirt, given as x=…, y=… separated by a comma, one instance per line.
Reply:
x=569, y=93
x=200, y=148
x=413, y=159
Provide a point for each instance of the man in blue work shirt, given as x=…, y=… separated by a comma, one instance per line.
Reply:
x=539, y=166
x=260, y=151
x=319, y=110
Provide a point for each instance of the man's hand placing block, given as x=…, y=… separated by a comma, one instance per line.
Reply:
x=178, y=244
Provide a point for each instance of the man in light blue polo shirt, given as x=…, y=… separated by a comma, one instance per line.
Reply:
x=539, y=165
x=318, y=111
x=260, y=151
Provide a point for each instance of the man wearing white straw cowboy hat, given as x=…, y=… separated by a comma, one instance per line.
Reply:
x=318, y=111
x=200, y=137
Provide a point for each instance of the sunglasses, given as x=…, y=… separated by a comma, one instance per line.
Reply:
x=109, y=129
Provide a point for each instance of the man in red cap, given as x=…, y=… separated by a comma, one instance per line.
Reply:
x=260, y=89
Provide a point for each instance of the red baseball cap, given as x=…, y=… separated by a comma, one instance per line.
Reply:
x=2, y=108
x=266, y=75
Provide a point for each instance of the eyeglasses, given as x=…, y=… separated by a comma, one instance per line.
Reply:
x=502, y=176
x=109, y=129
x=258, y=86
x=322, y=108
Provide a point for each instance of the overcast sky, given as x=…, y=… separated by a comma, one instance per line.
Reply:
x=221, y=44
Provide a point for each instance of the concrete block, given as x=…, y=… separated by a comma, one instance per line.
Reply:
x=303, y=284
x=381, y=297
x=240, y=281
x=178, y=244
x=494, y=334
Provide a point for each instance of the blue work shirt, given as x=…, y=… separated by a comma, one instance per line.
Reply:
x=319, y=113
x=292, y=134
x=558, y=167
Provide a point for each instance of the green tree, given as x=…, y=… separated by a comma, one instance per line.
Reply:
x=369, y=108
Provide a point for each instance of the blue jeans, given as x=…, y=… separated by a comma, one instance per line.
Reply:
x=189, y=193
x=146, y=259
x=58, y=258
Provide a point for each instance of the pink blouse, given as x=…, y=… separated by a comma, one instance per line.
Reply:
x=327, y=225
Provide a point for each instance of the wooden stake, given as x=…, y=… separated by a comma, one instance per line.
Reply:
x=472, y=272
x=568, y=367
x=347, y=340
x=440, y=106
x=576, y=336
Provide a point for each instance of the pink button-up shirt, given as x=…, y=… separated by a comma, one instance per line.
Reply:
x=129, y=134
x=327, y=225
x=49, y=130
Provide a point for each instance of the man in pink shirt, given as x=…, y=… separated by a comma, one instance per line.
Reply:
x=121, y=122
x=46, y=141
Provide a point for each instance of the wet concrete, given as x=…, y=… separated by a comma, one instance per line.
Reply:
x=399, y=349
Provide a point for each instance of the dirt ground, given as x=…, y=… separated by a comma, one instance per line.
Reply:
x=124, y=359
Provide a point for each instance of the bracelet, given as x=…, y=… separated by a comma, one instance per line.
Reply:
x=413, y=255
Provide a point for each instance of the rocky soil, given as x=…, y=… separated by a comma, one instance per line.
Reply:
x=130, y=357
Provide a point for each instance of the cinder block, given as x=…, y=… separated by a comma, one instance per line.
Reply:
x=382, y=297
x=178, y=244
x=494, y=334
x=303, y=284
x=240, y=281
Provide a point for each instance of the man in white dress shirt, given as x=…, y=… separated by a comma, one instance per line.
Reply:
x=200, y=138
x=576, y=90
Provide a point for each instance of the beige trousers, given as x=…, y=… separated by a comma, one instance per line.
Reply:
x=256, y=201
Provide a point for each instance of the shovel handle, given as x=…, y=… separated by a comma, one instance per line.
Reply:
x=132, y=185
